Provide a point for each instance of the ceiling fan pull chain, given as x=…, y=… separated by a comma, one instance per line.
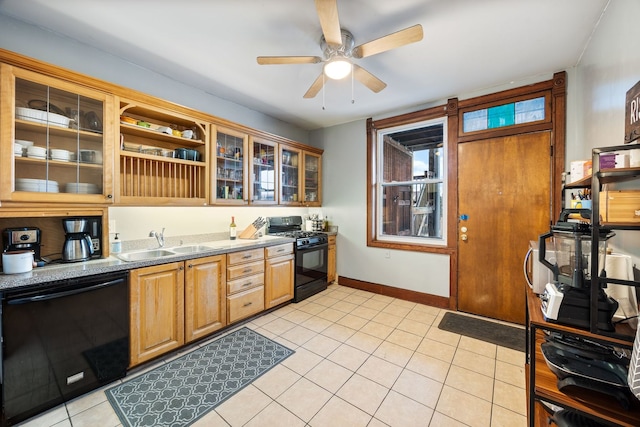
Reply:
x=353, y=101
x=323, y=86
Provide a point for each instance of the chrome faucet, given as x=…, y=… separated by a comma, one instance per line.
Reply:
x=159, y=237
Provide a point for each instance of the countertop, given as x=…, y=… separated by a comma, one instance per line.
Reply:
x=52, y=272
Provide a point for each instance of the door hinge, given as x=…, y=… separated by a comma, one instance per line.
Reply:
x=551, y=150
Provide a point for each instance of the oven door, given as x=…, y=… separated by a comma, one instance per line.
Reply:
x=311, y=271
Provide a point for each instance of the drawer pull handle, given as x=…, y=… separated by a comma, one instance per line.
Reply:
x=281, y=250
x=247, y=256
x=247, y=270
x=246, y=284
x=247, y=304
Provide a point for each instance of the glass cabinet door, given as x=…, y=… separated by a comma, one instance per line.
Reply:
x=264, y=164
x=290, y=158
x=58, y=143
x=230, y=148
x=312, y=173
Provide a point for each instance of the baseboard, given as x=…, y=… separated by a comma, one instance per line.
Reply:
x=390, y=291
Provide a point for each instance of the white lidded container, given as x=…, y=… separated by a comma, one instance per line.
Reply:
x=17, y=262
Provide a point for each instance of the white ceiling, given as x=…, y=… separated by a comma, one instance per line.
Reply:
x=468, y=45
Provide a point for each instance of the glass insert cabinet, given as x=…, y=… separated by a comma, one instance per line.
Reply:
x=58, y=134
x=264, y=164
x=230, y=170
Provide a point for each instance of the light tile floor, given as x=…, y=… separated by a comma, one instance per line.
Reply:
x=361, y=359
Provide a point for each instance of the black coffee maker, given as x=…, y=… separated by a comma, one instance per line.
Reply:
x=568, y=299
x=22, y=239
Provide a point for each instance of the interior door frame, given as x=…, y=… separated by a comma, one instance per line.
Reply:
x=556, y=92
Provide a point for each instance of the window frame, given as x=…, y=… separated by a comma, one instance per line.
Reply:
x=373, y=155
x=380, y=186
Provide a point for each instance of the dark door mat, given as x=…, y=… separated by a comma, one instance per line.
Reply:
x=485, y=330
x=180, y=392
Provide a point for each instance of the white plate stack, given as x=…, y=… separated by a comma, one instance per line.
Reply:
x=37, y=185
x=17, y=149
x=61, y=155
x=81, y=188
x=37, y=152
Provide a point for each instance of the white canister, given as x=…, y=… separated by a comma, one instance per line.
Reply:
x=17, y=262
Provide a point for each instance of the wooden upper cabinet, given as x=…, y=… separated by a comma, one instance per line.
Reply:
x=229, y=166
x=162, y=156
x=263, y=171
x=311, y=186
x=63, y=133
x=290, y=175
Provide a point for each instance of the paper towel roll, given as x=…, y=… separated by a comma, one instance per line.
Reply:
x=620, y=266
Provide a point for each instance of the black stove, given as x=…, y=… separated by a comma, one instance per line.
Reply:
x=311, y=251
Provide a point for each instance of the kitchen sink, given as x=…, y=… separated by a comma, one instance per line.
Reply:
x=190, y=249
x=144, y=255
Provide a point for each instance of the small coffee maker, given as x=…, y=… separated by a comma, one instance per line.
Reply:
x=77, y=242
x=22, y=239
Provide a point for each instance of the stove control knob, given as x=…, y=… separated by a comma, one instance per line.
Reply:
x=305, y=242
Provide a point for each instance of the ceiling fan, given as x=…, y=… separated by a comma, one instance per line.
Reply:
x=337, y=45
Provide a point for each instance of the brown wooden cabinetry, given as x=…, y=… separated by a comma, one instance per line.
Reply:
x=245, y=285
x=229, y=166
x=205, y=296
x=331, y=260
x=311, y=186
x=157, y=165
x=279, y=274
x=63, y=132
x=157, y=310
x=173, y=304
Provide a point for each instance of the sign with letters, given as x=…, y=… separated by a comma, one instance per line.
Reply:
x=632, y=114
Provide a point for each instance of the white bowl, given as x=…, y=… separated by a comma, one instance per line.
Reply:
x=23, y=142
x=35, y=151
x=58, y=154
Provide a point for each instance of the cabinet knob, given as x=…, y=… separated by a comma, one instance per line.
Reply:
x=180, y=268
x=109, y=196
x=190, y=266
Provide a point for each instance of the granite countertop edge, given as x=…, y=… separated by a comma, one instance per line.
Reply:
x=61, y=271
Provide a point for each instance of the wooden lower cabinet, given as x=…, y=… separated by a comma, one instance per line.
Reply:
x=157, y=310
x=204, y=296
x=173, y=304
x=331, y=260
x=245, y=284
x=279, y=275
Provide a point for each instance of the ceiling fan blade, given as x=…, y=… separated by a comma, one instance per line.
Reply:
x=315, y=87
x=388, y=42
x=328, y=14
x=274, y=60
x=368, y=79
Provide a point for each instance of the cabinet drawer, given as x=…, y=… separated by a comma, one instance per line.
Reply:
x=244, y=283
x=245, y=304
x=278, y=250
x=247, y=269
x=244, y=256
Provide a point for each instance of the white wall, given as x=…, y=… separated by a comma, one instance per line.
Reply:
x=345, y=203
x=609, y=67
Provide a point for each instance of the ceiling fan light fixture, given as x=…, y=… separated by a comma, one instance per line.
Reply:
x=337, y=68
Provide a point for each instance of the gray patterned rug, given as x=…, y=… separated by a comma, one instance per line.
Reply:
x=180, y=392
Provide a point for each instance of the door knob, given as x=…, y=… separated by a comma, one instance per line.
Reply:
x=463, y=229
x=464, y=237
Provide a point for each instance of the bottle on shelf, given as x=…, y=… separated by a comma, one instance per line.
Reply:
x=232, y=229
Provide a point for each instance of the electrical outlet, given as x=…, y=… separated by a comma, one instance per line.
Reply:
x=112, y=226
x=387, y=254
x=95, y=243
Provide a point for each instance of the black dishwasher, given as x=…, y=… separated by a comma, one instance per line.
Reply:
x=62, y=339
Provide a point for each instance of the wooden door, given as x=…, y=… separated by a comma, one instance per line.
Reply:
x=205, y=296
x=504, y=190
x=279, y=274
x=157, y=310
